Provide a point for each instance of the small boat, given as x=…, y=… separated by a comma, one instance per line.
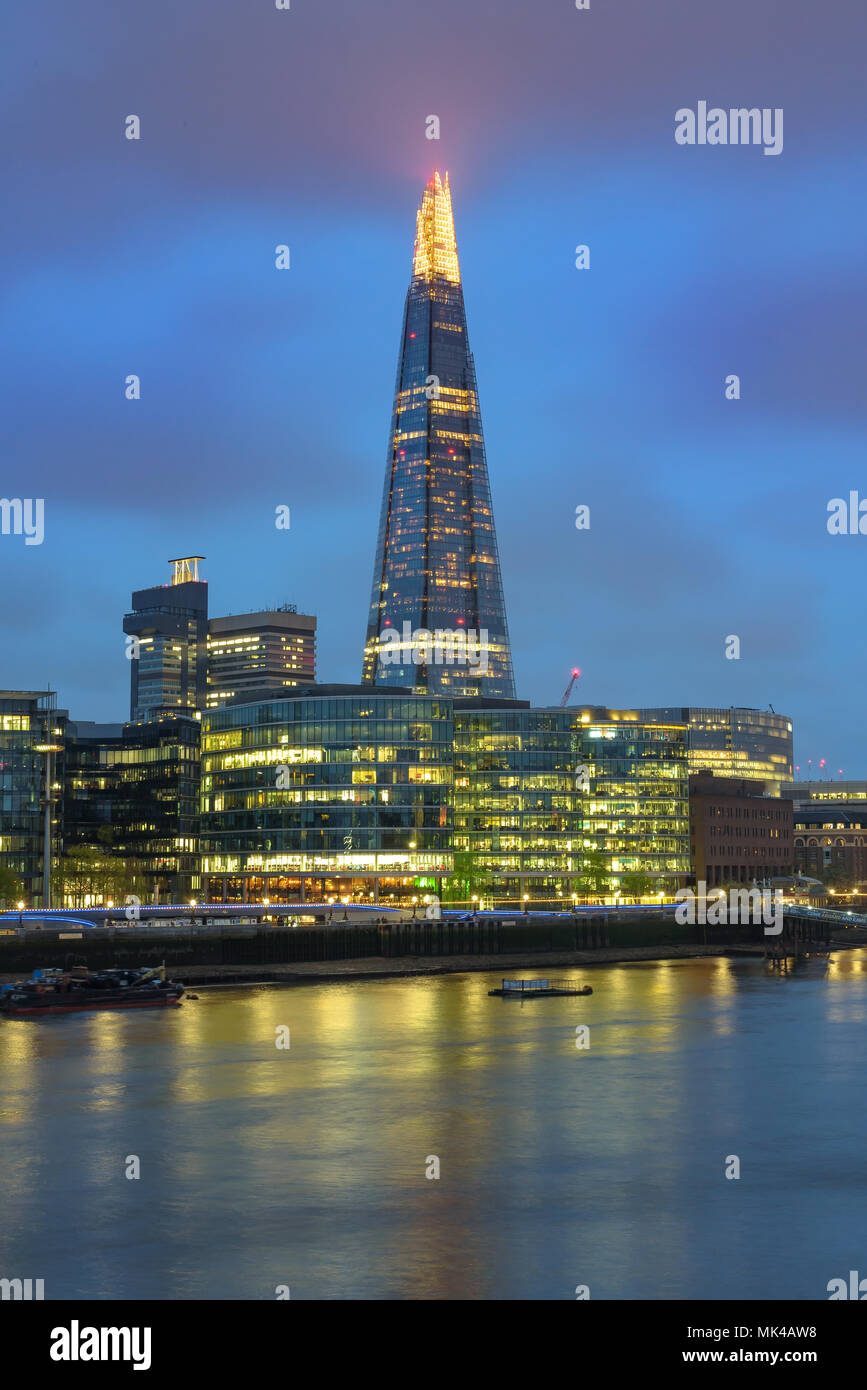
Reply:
x=538, y=989
x=78, y=989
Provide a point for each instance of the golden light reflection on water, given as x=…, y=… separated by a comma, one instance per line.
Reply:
x=19, y=1054
x=844, y=963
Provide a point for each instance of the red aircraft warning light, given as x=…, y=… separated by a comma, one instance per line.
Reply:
x=576, y=672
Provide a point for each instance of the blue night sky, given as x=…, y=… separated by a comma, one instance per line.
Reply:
x=604, y=387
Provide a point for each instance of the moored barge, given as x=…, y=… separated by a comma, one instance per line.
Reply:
x=78, y=989
x=538, y=989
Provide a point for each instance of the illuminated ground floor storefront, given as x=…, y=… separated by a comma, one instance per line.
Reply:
x=387, y=890
x=520, y=892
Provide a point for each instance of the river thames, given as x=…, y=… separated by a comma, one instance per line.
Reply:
x=266, y=1167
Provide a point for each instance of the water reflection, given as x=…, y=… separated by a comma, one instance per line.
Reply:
x=558, y=1165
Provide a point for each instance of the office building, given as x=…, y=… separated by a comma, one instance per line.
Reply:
x=437, y=619
x=275, y=649
x=636, y=803
x=340, y=791
x=131, y=794
x=518, y=815
x=383, y=796
x=168, y=628
x=830, y=826
x=32, y=738
x=747, y=743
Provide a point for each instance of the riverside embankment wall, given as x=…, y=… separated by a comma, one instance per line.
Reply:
x=282, y=946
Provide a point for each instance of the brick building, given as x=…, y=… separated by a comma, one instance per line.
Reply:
x=736, y=832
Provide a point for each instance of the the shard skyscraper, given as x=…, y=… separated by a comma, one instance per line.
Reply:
x=437, y=616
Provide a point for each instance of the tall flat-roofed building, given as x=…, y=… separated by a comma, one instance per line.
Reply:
x=131, y=792
x=274, y=648
x=737, y=742
x=168, y=656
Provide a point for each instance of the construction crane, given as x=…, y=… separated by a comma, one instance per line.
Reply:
x=575, y=674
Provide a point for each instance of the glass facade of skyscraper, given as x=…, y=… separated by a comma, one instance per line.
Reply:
x=349, y=792
x=552, y=805
x=385, y=795
x=636, y=808
x=132, y=792
x=518, y=814
x=32, y=730
x=437, y=615
x=736, y=742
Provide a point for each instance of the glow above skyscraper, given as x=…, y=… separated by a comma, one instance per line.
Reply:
x=437, y=615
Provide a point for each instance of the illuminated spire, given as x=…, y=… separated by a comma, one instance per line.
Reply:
x=436, y=253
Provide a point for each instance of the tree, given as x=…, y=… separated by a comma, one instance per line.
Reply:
x=838, y=876
x=458, y=887
x=88, y=872
x=11, y=887
x=635, y=884
x=595, y=873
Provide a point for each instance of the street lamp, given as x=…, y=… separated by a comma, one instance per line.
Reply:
x=47, y=749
